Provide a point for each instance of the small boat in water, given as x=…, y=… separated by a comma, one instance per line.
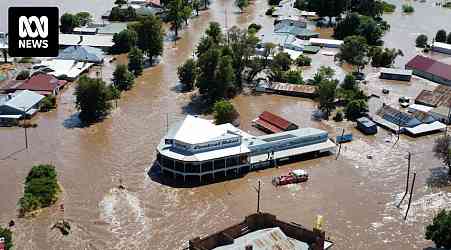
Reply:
x=294, y=176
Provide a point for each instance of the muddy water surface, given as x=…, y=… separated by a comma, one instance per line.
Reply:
x=356, y=195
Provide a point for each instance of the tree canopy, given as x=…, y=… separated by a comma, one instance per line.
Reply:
x=68, y=23
x=440, y=230
x=421, y=41
x=92, y=99
x=440, y=36
x=124, y=41
x=150, y=36
x=241, y=4
x=354, y=51
x=7, y=235
x=224, y=112
x=384, y=57
x=136, y=61
x=122, y=78
x=178, y=12
x=360, y=25
x=442, y=150
x=187, y=73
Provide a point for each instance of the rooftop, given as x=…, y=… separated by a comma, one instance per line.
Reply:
x=396, y=71
x=87, y=40
x=325, y=41
x=82, y=53
x=440, y=96
x=24, y=100
x=64, y=69
x=112, y=28
x=431, y=66
x=442, y=45
x=41, y=82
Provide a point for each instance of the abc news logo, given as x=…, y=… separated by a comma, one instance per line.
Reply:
x=33, y=31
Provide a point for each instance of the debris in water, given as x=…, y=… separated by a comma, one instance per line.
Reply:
x=11, y=223
x=369, y=157
x=63, y=226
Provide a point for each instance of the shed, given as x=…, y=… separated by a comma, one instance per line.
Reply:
x=272, y=123
x=441, y=48
x=440, y=96
x=366, y=126
x=85, y=31
x=395, y=74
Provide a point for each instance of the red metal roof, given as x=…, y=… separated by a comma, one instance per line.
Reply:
x=276, y=120
x=431, y=66
x=440, y=96
x=41, y=82
x=267, y=125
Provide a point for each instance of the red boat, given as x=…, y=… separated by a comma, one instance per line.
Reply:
x=294, y=176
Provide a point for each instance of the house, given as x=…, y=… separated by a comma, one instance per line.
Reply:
x=289, y=21
x=301, y=33
x=41, y=83
x=418, y=107
x=441, y=48
x=328, y=43
x=440, y=96
x=442, y=114
x=263, y=231
x=398, y=117
x=82, y=54
x=395, y=74
x=272, y=123
x=366, y=126
x=14, y=106
x=111, y=28
x=63, y=69
x=430, y=69
x=99, y=41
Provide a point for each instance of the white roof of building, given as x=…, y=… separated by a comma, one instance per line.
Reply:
x=325, y=41
x=308, y=13
x=442, y=45
x=420, y=107
x=24, y=100
x=85, y=29
x=424, y=128
x=394, y=71
x=88, y=40
x=266, y=239
x=68, y=68
x=294, y=54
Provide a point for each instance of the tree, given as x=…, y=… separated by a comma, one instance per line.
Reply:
x=294, y=77
x=324, y=73
x=366, y=26
x=354, y=51
x=68, y=23
x=347, y=26
x=371, y=31
x=124, y=41
x=442, y=150
x=113, y=94
x=303, y=60
x=136, y=61
x=448, y=38
x=440, y=230
x=196, y=6
x=241, y=4
x=282, y=61
x=120, y=2
x=92, y=99
x=327, y=90
x=122, y=78
x=349, y=83
x=384, y=57
x=407, y=8
x=224, y=112
x=187, y=73
x=83, y=18
x=355, y=109
x=5, y=55
x=150, y=36
x=175, y=15
x=225, y=74
x=268, y=51
x=7, y=235
x=214, y=32
x=440, y=36
x=421, y=41
x=122, y=15
x=23, y=74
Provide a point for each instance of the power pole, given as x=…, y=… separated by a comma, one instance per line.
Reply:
x=258, y=189
x=411, y=193
x=25, y=128
x=341, y=141
x=407, y=184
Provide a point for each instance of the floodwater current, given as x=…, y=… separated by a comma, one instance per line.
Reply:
x=357, y=196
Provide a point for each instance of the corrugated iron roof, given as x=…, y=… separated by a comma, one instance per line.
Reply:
x=276, y=120
x=299, y=88
x=41, y=82
x=431, y=66
x=440, y=96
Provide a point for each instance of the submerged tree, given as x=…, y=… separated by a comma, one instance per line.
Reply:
x=442, y=150
x=440, y=36
x=241, y=4
x=136, y=61
x=224, y=112
x=124, y=41
x=187, y=73
x=150, y=36
x=122, y=78
x=354, y=51
x=421, y=41
x=92, y=99
x=7, y=236
x=440, y=230
x=384, y=57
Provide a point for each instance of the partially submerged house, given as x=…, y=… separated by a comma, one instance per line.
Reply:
x=103, y=41
x=263, y=231
x=430, y=69
x=444, y=48
x=301, y=90
x=272, y=123
x=63, y=69
x=82, y=54
x=415, y=123
x=328, y=43
x=14, y=106
x=395, y=74
x=440, y=96
x=41, y=83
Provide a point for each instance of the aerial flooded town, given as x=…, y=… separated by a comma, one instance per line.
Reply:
x=220, y=124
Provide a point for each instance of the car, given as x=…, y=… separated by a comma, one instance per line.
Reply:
x=385, y=91
x=403, y=99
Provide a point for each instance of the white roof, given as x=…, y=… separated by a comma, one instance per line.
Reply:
x=265, y=239
x=88, y=40
x=424, y=128
x=24, y=100
x=308, y=13
x=325, y=41
x=419, y=107
x=85, y=29
x=194, y=130
x=69, y=68
x=299, y=172
x=395, y=71
x=293, y=53
x=442, y=45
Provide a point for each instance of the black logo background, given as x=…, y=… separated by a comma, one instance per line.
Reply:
x=14, y=13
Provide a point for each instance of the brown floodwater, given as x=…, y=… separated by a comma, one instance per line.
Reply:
x=356, y=195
